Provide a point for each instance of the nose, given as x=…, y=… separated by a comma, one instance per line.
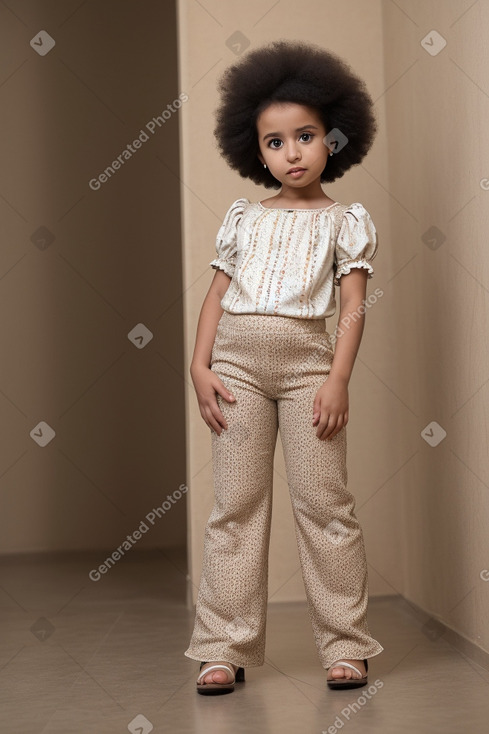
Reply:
x=292, y=152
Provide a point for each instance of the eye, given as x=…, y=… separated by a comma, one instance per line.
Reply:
x=309, y=137
x=272, y=142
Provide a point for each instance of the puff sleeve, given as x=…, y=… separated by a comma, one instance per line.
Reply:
x=357, y=242
x=226, y=241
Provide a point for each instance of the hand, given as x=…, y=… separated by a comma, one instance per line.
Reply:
x=207, y=384
x=330, y=409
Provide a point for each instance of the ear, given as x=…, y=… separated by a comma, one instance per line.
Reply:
x=261, y=158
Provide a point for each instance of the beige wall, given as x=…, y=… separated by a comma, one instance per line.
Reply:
x=437, y=118
x=67, y=307
x=424, y=509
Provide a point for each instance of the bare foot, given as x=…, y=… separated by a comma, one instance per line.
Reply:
x=337, y=671
x=218, y=676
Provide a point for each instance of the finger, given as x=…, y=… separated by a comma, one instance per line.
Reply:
x=340, y=424
x=224, y=392
x=331, y=429
x=215, y=419
x=217, y=413
x=325, y=428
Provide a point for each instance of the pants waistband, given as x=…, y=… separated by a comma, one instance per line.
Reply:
x=273, y=324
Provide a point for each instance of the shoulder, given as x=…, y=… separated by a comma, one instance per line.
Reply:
x=231, y=222
x=356, y=210
x=235, y=213
x=236, y=210
x=239, y=204
x=352, y=216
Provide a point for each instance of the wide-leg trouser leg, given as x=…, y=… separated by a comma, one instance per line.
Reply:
x=232, y=600
x=329, y=537
x=274, y=366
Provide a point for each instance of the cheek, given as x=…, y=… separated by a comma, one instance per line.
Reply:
x=320, y=155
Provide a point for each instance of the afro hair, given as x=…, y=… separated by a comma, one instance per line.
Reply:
x=292, y=71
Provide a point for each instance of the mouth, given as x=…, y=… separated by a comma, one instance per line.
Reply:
x=296, y=170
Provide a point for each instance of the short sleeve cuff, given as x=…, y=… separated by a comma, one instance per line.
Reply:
x=345, y=266
x=221, y=264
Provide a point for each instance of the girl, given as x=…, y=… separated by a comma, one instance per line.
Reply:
x=292, y=116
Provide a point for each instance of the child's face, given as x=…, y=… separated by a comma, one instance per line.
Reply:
x=290, y=137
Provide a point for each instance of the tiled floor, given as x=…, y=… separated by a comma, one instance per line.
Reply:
x=82, y=656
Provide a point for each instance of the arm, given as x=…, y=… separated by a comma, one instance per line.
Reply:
x=331, y=402
x=206, y=382
x=351, y=322
x=210, y=314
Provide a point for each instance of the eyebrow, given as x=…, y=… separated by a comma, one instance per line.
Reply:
x=297, y=130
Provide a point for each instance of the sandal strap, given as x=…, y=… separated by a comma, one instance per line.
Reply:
x=218, y=666
x=343, y=664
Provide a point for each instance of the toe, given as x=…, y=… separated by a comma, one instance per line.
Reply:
x=340, y=672
x=217, y=676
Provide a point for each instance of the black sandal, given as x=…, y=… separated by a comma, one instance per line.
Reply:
x=348, y=682
x=213, y=688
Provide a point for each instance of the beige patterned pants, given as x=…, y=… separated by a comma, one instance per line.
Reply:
x=274, y=365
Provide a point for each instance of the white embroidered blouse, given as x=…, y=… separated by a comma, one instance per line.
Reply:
x=287, y=261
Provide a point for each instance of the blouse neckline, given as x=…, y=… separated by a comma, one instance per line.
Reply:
x=287, y=209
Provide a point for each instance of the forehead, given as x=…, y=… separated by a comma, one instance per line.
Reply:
x=284, y=115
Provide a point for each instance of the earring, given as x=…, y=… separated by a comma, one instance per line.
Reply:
x=330, y=154
x=264, y=165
